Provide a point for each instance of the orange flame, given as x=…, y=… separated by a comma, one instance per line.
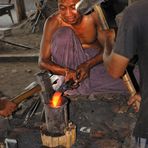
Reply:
x=56, y=100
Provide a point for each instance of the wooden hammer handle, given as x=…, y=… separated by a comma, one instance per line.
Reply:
x=129, y=84
x=27, y=93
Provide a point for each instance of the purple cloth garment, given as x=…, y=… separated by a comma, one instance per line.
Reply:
x=67, y=51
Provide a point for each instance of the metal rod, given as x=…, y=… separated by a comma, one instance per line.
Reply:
x=32, y=110
x=16, y=44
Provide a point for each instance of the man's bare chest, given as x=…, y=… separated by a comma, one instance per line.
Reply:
x=86, y=31
x=86, y=34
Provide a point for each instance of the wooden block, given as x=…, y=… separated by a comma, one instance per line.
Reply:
x=66, y=140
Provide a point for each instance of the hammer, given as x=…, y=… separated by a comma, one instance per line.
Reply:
x=4, y=121
x=86, y=6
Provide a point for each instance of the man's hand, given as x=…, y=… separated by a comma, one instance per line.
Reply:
x=82, y=72
x=70, y=75
x=6, y=107
x=135, y=102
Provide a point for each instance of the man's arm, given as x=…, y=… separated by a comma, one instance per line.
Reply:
x=115, y=64
x=6, y=107
x=106, y=40
x=45, y=61
x=83, y=69
x=101, y=35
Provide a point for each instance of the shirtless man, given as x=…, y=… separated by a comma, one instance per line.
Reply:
x=72, y=46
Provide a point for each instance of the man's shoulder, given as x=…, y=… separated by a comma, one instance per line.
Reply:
x=52, y=22
x=53, y=18
x=138, y=5
x=136, y=11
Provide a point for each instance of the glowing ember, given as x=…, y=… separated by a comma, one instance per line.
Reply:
x=56, y=100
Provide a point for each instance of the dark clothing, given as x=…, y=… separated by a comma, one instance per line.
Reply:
x=132, y=38
x=67, y=51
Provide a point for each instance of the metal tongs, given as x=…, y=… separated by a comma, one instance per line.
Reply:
x=71, y=84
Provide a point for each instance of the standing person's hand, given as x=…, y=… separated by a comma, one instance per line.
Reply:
x=135, y=102
x=6, y=107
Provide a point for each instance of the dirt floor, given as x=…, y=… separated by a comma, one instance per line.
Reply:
x=18, y=64
x=16, y=74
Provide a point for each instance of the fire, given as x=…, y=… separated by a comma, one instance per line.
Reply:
x=56, y=100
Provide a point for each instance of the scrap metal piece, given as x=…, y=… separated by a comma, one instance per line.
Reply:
x=32, y=110
x=85, y=129
x=11, y=143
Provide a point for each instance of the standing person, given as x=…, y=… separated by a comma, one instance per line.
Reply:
x=132, y=38
x=72, y=46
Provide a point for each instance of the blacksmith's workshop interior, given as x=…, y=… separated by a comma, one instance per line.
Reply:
x=47, y=114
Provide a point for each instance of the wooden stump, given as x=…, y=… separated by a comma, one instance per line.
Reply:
x=66, y=140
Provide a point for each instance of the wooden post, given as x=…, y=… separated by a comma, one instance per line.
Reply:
x=66, y=140
x=20, y=10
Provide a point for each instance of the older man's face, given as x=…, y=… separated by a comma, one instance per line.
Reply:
x=68, y=12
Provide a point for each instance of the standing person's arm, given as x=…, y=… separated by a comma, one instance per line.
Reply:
x=116, y=65
x=116, y=61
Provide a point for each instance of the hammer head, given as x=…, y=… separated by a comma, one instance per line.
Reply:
x=85, y=6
